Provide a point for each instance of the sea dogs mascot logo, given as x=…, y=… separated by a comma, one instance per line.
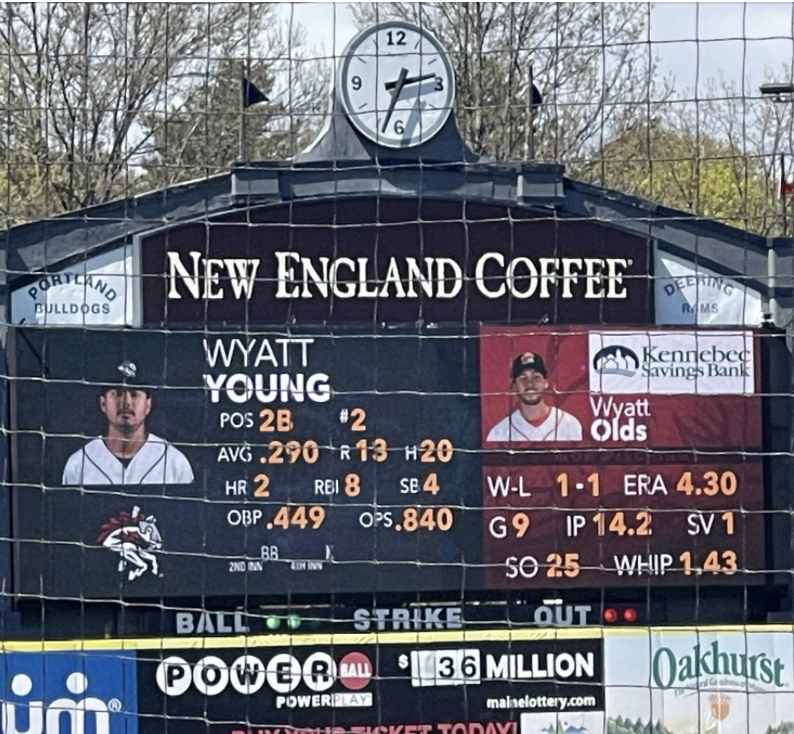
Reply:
x=66, y=693
x=128, y=369
x=616, y=360
x=135, y=537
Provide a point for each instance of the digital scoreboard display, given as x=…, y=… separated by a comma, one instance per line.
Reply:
x=337, y=459
x=670, y=521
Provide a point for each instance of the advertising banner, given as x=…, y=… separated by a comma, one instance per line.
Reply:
x=687, y=293
x=585, y=681
x=69, y=692
x=395, y=261
x=712, y=681
x=478, y=687
x=103, y=290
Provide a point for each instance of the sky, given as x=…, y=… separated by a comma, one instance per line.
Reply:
x=694, y=42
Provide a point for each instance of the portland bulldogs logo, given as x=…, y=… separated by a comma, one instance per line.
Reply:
x=135, y=537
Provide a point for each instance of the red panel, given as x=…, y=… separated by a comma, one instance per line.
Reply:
x=667, y=511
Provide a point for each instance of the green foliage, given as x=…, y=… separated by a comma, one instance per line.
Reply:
x=702, y=176
x=105, y=100
x=625, y=726
x=786, y=727
x=696, y=173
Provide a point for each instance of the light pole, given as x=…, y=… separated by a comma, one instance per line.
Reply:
x=777, y=89
x=781, y=92
x=784, y=92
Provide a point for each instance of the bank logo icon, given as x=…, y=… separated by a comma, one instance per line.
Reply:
x=616, y=360
x=68, y=693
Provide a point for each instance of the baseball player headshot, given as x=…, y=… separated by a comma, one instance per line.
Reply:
x=127, y=453
x=534, y=419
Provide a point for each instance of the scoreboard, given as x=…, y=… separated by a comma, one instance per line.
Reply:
x=424, y=395
x=674, y=522
x=341, y=459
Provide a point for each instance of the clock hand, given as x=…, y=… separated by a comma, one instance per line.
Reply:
x=395, y=95
x=410, y=80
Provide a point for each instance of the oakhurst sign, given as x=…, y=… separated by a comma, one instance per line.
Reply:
x=699, y=680
x=669, y=670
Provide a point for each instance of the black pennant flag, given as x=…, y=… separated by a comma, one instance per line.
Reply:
x=537, y=97
x=251, y=93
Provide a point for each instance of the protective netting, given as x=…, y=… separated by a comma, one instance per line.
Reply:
x=398, y=368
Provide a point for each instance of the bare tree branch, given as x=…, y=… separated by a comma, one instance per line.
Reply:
x=93, y=87
x=587, y=59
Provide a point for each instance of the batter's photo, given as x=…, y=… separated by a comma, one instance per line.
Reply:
x=127, y=453
x=534, y=419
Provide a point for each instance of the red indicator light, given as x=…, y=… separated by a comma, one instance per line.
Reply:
x=610, y=616
x=629, y=614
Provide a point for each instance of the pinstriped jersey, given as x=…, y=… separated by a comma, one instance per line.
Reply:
x=156, y=462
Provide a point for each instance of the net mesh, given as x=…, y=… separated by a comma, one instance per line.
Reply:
x=282, y=383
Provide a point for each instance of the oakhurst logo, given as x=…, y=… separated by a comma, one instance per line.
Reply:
x=669, y=671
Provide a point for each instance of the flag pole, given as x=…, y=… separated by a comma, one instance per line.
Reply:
x=783, y=193
x=243, y=90
x=529, y=132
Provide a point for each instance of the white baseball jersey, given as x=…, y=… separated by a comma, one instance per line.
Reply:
x=156, y=462
x=558, y=426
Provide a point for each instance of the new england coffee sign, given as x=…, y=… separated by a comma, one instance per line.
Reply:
x=396, y=261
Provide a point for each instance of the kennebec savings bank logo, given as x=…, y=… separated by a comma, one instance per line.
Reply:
x=757, y=671
x=616, y=360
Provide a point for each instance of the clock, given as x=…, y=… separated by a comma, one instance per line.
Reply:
x=395, y=84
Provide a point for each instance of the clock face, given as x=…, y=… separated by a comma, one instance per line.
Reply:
x=396, y=84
